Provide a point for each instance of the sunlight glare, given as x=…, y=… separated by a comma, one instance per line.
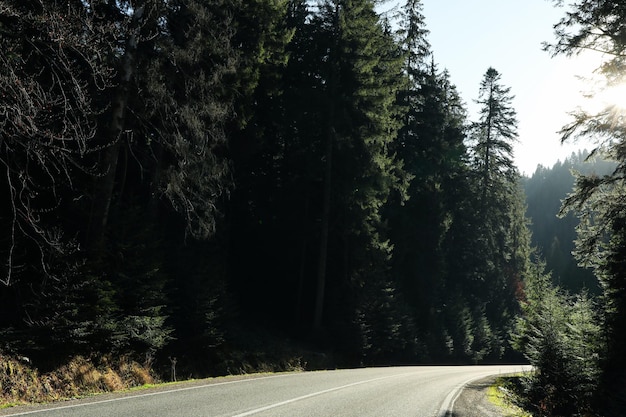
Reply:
x=614, y=96
x=598, y=95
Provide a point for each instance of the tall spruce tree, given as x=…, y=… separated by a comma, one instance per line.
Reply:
x=501, y=248
x=167, y=158
x=430, y=144
x=494, y=136
x=262, y=205
x=363, y=72
x=305, y=96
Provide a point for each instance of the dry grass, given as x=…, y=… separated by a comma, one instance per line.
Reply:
x=112, y=380
x=21, y=383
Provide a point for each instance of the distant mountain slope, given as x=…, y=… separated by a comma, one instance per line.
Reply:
x=554, y=236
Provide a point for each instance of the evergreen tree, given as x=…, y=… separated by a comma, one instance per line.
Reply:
x=168, y=156
x=599, y=200
x=560, y=336
x=494, y=135
x=265, y=207
x=430, y=144
x=363, y=74
x=502, y=245
x=305, y=115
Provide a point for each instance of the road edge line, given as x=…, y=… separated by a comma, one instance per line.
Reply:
x=448, y=403
x=52, y=406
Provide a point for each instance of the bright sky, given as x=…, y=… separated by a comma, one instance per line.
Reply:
x=467, y=37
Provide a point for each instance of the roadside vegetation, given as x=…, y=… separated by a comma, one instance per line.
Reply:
x=561, y=335
x=21, y=383
x=506, y=393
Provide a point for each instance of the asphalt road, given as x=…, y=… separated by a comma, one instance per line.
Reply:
x=427, y=391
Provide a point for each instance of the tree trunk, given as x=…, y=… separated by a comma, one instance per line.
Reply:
x=105, y=185
x=330, y=138
x=303, y=258
x=487, y=168
x=323, y=255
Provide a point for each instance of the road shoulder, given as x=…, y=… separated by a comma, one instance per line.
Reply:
x=473, y=400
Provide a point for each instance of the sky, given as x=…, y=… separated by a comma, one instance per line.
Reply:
x=469, y=36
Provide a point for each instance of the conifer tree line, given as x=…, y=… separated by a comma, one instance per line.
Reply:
x=192, y=178
x=180, y=176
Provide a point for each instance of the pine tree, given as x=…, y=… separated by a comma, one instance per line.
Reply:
x=501, y=248
x=494, y=134
x=430, y=144
x=560, y=336
x=362, y=73
x=264, y=211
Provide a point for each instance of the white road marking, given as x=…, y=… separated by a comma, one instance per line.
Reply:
x=149, y=394
x=315, y=394
x=448, y=404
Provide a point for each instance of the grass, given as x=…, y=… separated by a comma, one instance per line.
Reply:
x=503, y=395
x=9, y=405
x=20, y=383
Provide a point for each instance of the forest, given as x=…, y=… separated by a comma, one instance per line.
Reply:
x=229, y=186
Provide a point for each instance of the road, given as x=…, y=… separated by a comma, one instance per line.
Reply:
x=425, y=391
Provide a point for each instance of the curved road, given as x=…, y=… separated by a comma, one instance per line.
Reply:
x=425, y=391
